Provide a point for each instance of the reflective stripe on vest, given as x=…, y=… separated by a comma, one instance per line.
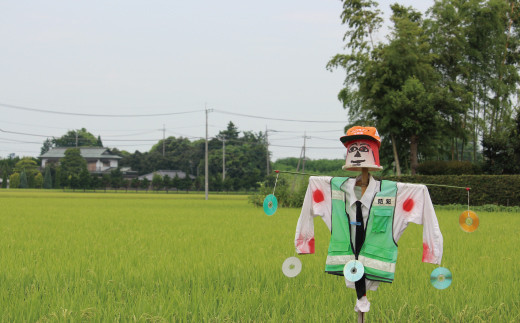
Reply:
x=339, y=260
x=377, y=264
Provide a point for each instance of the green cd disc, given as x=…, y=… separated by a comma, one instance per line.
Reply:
x=270, y=204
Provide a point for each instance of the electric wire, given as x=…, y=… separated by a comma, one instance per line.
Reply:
x=277, y=119
x=18, y=107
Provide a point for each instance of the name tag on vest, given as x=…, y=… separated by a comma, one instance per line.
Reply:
x=384, y=201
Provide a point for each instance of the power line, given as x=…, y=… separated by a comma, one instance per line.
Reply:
x=17, y=107
x=306, y=147
x=277, y=119
x=23, y=133
x=321, y=138
x=317, y=131
x=20, y=141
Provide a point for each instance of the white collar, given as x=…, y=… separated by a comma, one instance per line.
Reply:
x=367, y=198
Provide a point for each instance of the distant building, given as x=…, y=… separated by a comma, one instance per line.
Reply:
x=99, y=159
x=171, y=174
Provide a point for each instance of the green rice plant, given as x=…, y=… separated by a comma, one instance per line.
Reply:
x=178, y=258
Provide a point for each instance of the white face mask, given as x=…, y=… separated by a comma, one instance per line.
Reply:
x=360, y=155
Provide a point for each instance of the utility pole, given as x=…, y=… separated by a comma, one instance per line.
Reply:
x=223, y=159
x=206, y=171
x=267, y=151
x=301, y=159
x=297, y=169
x=304, y=142
x=76, y=139
x=206, y=186
x=163, y=138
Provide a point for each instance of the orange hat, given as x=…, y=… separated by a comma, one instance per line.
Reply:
x=358, y=132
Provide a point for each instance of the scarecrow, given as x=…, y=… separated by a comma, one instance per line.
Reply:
x=366, y=218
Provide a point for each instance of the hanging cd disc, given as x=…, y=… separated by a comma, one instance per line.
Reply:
x=291, y=267
x=353, y=270
x=468, y=221
x=441, y=278
x=270, y=204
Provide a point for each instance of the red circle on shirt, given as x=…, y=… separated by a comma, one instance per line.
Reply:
x=408, y=205
x=317, y=196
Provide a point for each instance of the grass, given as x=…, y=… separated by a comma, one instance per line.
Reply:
x=176, y=257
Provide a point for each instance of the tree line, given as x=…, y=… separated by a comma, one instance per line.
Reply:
x=237, y=161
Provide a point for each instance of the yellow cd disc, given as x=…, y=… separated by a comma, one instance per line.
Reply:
x=468, y=221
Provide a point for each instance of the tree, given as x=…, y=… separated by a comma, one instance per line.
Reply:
x=47, y=181
x=29, y=167
x=38, y=180
x=502, y=153
x=393, y=86
x=167, y=182
x=84, y=179
x=105, y=181
x=116, y=178
x=47, y=145
x=72, y=163
x=73, y=138
x=76, y=138
x=186, y=182
x=4, y=176
x=23, y=180
x=95, y=182
x=145, y=183
x=157, y=182
x=136, y=183
x=57, y=178
x=74, y=182
x=176, y=181
x=126, y=184
x=231, y=132
x=447, y=29
x=99, y=143
x=14, y=180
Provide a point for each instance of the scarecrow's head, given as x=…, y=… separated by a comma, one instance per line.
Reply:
x=362, y=148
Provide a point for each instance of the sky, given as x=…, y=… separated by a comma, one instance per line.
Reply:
x=171, y=60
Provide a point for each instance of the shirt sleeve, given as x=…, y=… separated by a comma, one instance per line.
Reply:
x=413, y=204
x=317, y=202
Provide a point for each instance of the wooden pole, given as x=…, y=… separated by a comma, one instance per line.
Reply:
x=364, y=184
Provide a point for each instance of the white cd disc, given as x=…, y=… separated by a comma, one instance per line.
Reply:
x=291, y=267
x=353, y=270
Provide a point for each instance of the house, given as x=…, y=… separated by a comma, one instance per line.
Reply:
x=99, y=159
x=171, y=174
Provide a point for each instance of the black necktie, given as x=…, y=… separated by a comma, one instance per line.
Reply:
x=361, y=288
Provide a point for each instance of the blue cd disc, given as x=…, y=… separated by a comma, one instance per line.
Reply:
x=270, y=204
x=353, y=270
x=441, y=278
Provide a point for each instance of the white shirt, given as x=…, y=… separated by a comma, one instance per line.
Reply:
x=413, y=204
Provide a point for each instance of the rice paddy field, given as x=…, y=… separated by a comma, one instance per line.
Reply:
x=178, y=258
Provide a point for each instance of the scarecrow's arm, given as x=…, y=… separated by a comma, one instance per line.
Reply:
x=413, y=204
x=317, y=202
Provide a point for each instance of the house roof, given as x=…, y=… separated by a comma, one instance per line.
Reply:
x=86, y=152
x=170, y=173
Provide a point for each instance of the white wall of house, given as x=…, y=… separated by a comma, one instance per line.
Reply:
x=113, y=163
x=99, y=165
x=44, y=161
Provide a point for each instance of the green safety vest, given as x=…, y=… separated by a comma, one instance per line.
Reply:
x=379, y=252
